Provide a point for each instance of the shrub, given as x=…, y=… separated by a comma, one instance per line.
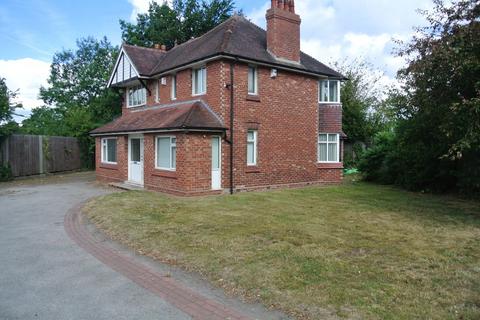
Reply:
x=379, y=162
x=5, y=173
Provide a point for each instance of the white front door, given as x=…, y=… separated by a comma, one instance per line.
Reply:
x=135, y=159
x=216, y=163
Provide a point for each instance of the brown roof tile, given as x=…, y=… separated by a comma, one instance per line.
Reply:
x=235, y=37
x=180, y=116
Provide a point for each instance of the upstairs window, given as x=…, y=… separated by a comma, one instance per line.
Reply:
x=137, y=96
x=174, y=87
x=329, y=91
x=157, y=91
x=252, y=80
x=199, y=81
x=166, y=153
x=109, y=150
x=252, y=137
x=328, y=147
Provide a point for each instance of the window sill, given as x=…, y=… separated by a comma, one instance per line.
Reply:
x=252, y=169
x=252, y=97
x=330, y=103
x=138, y=106
x=196, y=95
x=165, y=173
x=329, y=165
x=109, y=166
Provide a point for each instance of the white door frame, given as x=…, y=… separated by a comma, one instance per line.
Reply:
x=142, y=150
x=217, y=183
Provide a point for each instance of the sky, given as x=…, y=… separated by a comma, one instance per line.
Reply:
x=31, y=31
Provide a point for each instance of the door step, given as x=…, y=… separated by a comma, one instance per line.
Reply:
x=127, y=186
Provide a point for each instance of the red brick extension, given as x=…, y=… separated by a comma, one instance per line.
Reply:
x=175, y=293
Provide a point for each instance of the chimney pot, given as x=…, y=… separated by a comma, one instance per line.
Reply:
x=163, y=47
x=156, y=46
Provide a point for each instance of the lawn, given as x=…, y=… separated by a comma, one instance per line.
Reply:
x=351, y=251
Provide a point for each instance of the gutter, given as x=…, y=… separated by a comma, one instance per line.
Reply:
x=119, y=133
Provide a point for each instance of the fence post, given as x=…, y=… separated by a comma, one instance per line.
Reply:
x=40, y=154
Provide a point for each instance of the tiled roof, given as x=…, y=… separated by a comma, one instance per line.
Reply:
x=235, y=37
x=193, y=115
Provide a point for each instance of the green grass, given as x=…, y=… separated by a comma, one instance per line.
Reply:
x=351, y=251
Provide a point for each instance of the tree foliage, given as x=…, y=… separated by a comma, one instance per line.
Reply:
x=177, y=24
x=77, y=98
x=7, y=109
x=437, y=137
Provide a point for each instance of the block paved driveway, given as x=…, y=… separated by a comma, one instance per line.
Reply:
x=46, y=275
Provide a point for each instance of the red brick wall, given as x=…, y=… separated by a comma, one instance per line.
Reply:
x=112, y=172
x=283, y=34
x=286, y=114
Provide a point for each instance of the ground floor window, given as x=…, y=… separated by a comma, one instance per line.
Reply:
x=109, y=150
x=328, y=147
x=166, y=153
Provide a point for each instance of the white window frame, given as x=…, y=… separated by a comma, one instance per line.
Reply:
x=255, y=80
x=157, y=91
x=327, y=143
x=136, y=88
x=104, y=156
x=173, y=92
x=173, y=145
x=253, y=141
x=320, y=91
x=202, y=69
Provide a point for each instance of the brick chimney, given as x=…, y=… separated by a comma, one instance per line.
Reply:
x=283, y=30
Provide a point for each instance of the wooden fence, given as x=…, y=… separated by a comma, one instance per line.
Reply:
x=32, y=155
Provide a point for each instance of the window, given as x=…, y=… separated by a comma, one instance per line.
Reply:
x=137, y=96
x=109, y=150
x=157, y=91
x=252, y=80
x=329, y=91
x=174, y=87
x=328, y=147
x=166, y=153
x=252, y=136
x=199, y=81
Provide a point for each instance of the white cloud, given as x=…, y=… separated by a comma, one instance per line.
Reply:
x=141, y=6
x=26, y=75
x=354, y=29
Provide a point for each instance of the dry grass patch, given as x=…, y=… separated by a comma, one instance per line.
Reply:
x=351, y=251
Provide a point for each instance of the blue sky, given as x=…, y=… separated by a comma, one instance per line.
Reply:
x=31, y=31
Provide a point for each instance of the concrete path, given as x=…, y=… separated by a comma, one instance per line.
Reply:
x=44, y=274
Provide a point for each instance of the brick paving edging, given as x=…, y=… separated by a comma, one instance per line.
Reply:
x=170, y=290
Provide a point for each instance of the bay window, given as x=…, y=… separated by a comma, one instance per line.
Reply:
x=329, y=91
x=166, y=153
x=328, y=147
x=109, y=150
x=136, y=96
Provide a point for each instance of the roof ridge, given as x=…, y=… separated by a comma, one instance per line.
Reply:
x=228, y=34
x=141, y=47
x=189, y=114
x=195, y=39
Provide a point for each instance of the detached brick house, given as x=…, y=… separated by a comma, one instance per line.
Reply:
x=238, y=108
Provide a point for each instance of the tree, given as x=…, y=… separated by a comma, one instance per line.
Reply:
x=77, y=98
x=170, y=26
x=7, y=109
x=361, y=97
x=437, y=136
x=45, y=121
